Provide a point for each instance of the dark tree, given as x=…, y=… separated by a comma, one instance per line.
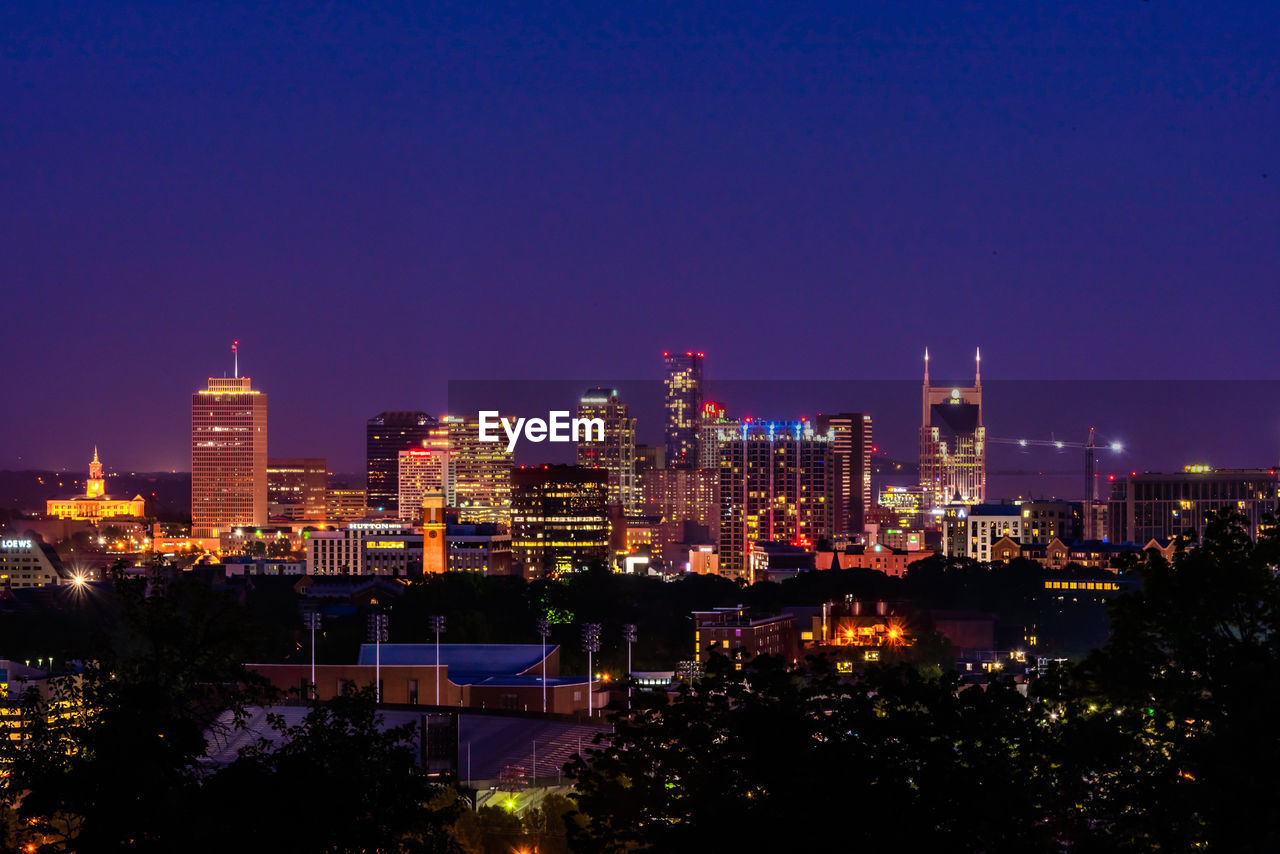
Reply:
x=334, y=781
x=767, y=756
x=110, y=758
x=1192, y=672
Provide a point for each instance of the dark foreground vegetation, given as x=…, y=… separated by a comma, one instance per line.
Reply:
x=1162, y=740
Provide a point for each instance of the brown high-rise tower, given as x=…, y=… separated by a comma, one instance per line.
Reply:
x=228, y=456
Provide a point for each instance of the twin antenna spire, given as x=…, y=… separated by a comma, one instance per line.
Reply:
x=977, y=370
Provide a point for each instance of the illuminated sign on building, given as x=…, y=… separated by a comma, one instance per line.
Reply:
x=902, y=498
x=15, y=544
x=385, y=544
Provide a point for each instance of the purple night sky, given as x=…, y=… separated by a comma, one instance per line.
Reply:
x=378, y=199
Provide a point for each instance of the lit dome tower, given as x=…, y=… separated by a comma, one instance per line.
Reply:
x=96, y=486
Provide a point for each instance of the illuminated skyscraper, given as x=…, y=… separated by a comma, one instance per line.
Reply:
x=297, y=488
x=649, y=458
x=713, y=429
x=559, y=519
x=953, y=442
x=423, y=472
x=774, y=486
x=482, y=473
x=228, y=456
x=851, y=452
x=688, y=503
x=616, y=452
x=683, y=407
x=386, y=435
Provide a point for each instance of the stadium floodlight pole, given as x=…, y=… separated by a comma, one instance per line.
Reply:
x=437, y=626
x=629, y=634
x=590, y=643
x=377, y=634
x=544, y=629
x=311, y=619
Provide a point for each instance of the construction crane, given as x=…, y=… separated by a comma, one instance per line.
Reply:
x=1090, y=452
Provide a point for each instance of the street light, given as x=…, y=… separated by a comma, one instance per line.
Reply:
x=437, y=626
x=590, y=643
x=629, y=635
x=544, y=629
x=377, y=634
x=311, y=619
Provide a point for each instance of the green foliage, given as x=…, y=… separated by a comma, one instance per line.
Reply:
x=110, y=758
x=335, y=781
x=738, y=758
x=1192, y=671
x=113, y=758
x=1160, y=741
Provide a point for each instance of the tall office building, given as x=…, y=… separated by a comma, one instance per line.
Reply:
x=482, y=473
x=616, y=451
x=953, y=442
x=649, y=458
x=297, y=489
x=423, y=472
x=687, y=501
x=851, y=454
x=683, y=405
x=714, y=429
x=228, y=456
x=775, y=481
x=559, y=519
x=386, y=435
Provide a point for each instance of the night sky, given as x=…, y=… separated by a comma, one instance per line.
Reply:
x=379, y=198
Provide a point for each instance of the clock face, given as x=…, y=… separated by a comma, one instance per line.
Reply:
x=955, y=394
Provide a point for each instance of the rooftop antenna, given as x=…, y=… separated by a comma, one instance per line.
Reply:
x=925, y=398
x=235, y=355
x=977, y=370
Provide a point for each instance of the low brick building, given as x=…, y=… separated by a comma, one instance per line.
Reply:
x=478, y=676
x=725, y=630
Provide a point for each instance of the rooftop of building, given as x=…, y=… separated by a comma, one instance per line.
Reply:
x=994, y=510
x=1203, y=472
x=739, y=616
x=878, y=548
x=775, y=547
x=466, y=661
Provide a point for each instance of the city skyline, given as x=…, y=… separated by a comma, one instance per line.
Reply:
x=1133, y=413
x=572, y=428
